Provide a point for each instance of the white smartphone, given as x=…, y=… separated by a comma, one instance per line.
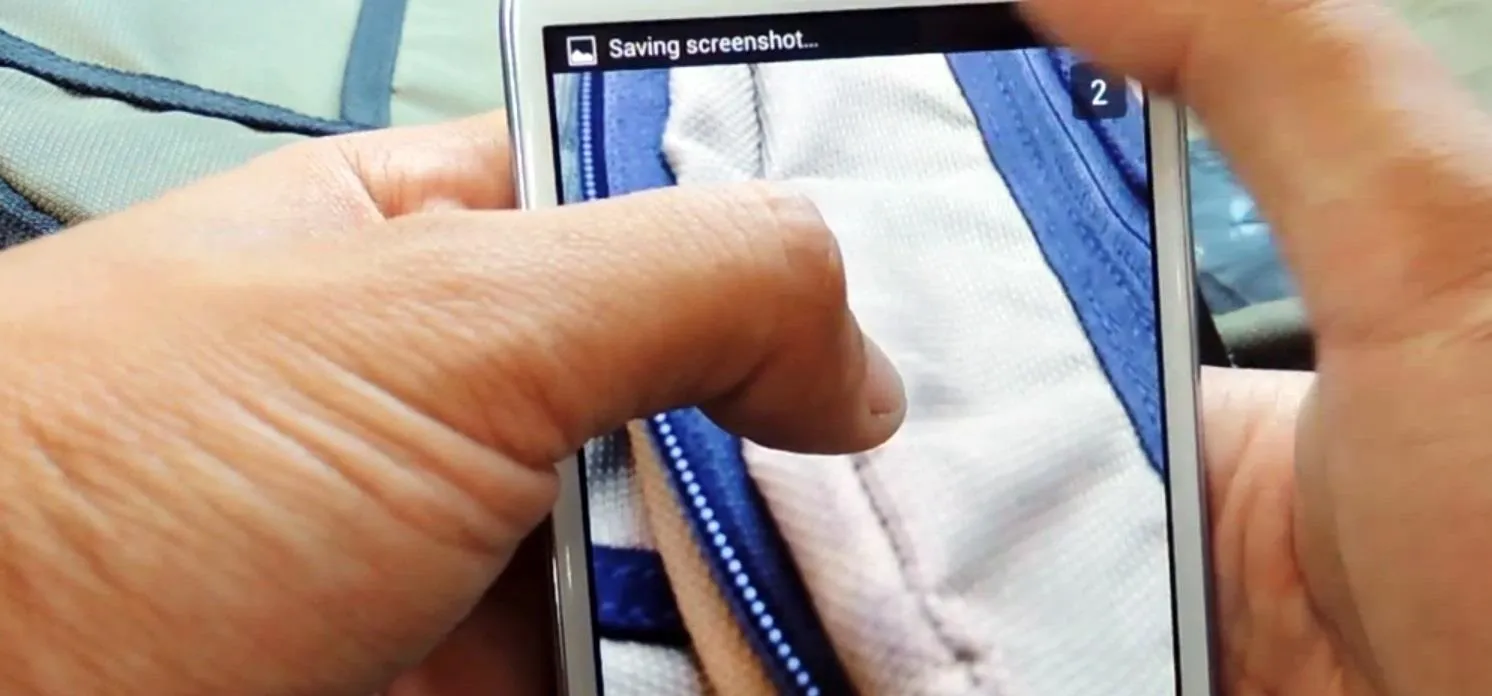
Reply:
x=1015, y=235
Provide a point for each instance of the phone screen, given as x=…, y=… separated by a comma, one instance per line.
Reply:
x=992, y=198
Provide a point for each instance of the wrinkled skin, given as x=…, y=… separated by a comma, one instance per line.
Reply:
x=280, y=432
x=285, y=431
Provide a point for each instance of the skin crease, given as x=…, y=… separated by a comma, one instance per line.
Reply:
x=280, y=432
x=283, y=431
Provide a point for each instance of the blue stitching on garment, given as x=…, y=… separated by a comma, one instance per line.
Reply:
x=1123, y=139
x=154, y=93
x=368, y=79
x=636, y=112
x=1104, y=165
x=1108, y=274
x=634, y=602
x=20, y=219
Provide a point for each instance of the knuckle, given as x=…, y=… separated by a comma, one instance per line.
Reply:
x=764, y=236
x=805, y=255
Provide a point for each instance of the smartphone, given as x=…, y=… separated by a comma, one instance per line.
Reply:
x=1015, y=236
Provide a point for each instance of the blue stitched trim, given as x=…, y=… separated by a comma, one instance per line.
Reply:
x=20, y=220
x=625, y=114
x=368, y=82
x=629, y=152
x=1094, y=234
x=155, y=93
x=1125, y=139
x=1119, y=173
x=633, y=600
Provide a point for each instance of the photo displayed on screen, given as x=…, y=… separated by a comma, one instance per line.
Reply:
x=991, y=199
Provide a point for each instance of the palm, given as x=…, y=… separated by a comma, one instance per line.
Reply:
x=347, y=183
x=1272, y=642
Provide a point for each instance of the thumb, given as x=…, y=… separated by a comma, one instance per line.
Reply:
x=539, y=329
x=1366, y=155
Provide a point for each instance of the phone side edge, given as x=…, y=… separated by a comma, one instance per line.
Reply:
x=1175, y=284
x=534, y=166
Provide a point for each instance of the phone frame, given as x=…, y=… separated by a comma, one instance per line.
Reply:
x=527, y=85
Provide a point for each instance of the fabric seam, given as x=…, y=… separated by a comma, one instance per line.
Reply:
x=372, y=59
x=156, y=93
x=959, y=654
x=21, y=219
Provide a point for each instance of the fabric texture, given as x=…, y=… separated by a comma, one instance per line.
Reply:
x=634, y=600
x=636, y=669
x=78, y=158
x=1011, y=539
x=1083, y=188
x=368, y=79
x=450, y=61
x=298, y=49
x=109, y=104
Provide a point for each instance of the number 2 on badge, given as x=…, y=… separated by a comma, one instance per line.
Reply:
x=1094, y=95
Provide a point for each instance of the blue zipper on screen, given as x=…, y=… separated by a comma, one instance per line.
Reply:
x=586, y=112
x=739, y=587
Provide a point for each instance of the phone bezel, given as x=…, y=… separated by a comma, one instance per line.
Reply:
x=526, y=80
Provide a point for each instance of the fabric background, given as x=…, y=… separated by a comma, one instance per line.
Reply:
x=1011, y=539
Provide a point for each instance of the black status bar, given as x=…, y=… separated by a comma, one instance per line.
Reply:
x=787, y=37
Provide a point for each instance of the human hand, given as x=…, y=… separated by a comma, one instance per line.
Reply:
x=278, y=433
x=1273, y=641
x=1376, y=171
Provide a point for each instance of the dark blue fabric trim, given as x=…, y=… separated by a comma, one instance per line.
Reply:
x=368, y=82
x=748, y=559
x=21, y=221
x=1090, y=226
x=1114, y=163
x=1125, y=139
x=634, y=110
x=155, y=93
x=634, y=602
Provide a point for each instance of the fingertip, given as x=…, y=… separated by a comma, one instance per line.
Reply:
x=1142, y=39
x=885, y=395
x=813, y=413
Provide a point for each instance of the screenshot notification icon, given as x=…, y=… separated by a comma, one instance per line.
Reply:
x=580, y=51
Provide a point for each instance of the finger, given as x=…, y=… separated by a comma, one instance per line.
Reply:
x=338, y=184
x=504, y=646
x=537, y=330
x=463, y=164
x=1371, y=161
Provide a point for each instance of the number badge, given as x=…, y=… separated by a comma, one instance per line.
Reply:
x=1097, y=96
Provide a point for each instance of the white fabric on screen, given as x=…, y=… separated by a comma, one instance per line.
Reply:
x=633, y=669
x=613, y=497
x=1012, y=538
x=614, y=507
